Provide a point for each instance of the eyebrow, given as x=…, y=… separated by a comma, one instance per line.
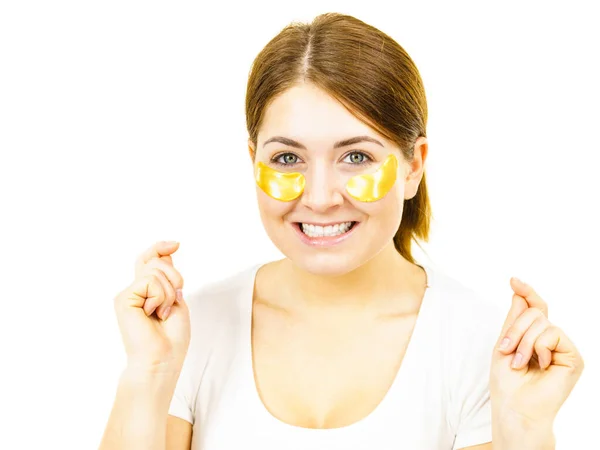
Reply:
x=338, y=144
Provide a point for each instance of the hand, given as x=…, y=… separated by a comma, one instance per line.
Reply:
x=534, y=391
x=154, y=325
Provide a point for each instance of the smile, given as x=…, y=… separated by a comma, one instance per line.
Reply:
x=324, y=235
x=329, y=230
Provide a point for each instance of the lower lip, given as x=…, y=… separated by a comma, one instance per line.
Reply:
x=325, y=241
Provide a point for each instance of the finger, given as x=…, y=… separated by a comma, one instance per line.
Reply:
x=514, y=334
x=144, y=289
x=171, y=272
x=168, y=259
x=529, y=294
x=525, y=350
x=518, y=307
x=563, y=351
x=158, y=250
x=167, y=300
x=173, y=283
x=543, y=352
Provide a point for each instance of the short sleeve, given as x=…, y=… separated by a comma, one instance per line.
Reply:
x=183, y=403
x=472, y=393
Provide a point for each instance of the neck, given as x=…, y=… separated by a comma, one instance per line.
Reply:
x=373, y=284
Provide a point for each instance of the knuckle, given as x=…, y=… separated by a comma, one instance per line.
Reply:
x=527, y=342
x=165, y=284
x=172, y=275
x=156, y=263
x=534, y=313
x=525, y=349
x=154, y=279
x=513, y=335
x=178, y=280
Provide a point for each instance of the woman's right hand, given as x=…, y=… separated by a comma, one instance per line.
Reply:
x=154, y=324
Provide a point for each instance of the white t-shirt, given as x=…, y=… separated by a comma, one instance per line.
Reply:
x=439, y=399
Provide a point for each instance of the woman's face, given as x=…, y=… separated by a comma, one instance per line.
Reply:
x=299, y=228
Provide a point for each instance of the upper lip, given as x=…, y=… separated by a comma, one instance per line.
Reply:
x=321, y=224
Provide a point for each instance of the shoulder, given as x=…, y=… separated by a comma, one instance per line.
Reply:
x=470, y=324
x=217, y=309
x=223, y=296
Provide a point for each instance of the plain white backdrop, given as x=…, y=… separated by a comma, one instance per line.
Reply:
x=113, y=114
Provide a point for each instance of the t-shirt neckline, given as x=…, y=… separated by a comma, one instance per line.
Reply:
x=418, y=334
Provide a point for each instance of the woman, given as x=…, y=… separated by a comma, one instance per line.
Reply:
x=347, y=342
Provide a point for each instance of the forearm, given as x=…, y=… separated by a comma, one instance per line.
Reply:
x=138, y=419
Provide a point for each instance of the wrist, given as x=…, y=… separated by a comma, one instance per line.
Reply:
x=516, y=433
x=149, y=378
x=148, y=388
x=144, y=369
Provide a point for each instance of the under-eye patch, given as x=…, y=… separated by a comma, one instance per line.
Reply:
x=373, y=186
x=366, y=188
x=279, y=185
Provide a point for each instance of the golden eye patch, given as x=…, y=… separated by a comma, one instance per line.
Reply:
x=279, y=185
x=373, y=186
x=366, y=188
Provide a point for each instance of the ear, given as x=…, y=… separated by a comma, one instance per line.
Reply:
x=251, y=149
x=416, y=168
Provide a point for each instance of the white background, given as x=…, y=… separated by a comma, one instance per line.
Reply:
x=112, y=114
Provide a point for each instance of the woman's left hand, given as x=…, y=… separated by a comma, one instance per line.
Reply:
x=533, y=392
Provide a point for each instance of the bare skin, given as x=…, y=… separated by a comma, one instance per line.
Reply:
x=330, y=367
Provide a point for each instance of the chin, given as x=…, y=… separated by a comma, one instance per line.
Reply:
x=323, y=264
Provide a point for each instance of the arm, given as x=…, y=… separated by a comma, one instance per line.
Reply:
x=138, y=420
x=519, y=437
x=520, y=434
x=179, y=434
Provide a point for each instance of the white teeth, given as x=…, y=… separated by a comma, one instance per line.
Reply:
x=329, y=230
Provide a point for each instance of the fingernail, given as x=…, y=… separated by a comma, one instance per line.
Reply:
x=166, y=313
x=170, y=242
x=504, y=343
x=179, y=296
x=517, y=360
x=518, y=280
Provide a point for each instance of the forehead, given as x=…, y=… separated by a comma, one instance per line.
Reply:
x=311, y=116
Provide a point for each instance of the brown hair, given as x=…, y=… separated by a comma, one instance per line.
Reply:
x=364, y=69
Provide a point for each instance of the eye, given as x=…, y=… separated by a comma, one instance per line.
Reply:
x=285, y=159
x=357, y=158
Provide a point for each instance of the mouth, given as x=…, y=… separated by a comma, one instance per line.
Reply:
x=324, y=235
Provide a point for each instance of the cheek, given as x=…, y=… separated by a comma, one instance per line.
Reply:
x=271, y=209
x=388, y=209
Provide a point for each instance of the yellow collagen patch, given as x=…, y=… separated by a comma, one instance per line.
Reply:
x=279, y=185
x=373, y=186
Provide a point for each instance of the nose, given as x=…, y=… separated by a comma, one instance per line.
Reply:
x=321, y=191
